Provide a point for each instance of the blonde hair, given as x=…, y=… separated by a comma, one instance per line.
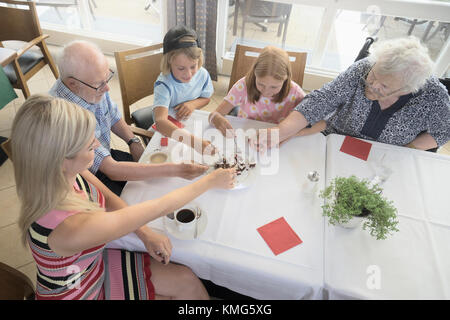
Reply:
x=272, y=62
x=194, y=53
x=406, y=57
x=46, y=131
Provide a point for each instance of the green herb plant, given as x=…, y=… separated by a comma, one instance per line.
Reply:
x=349, y=197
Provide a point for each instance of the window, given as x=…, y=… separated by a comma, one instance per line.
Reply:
x=133, y=21
x=352, y=27
x=333, y=32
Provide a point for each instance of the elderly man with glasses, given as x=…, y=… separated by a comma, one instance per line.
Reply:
x=84, y=78
x=390, y=97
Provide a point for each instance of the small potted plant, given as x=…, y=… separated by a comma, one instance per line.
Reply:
x=347, y=199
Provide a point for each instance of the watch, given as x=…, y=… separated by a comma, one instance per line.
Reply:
x=132, y=140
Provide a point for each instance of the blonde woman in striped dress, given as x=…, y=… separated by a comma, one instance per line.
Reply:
x=67, y=215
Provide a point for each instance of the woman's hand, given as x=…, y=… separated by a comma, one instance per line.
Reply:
x=222, y=178
x=158, y=246
x=222, y=124
x=266, y=139
x=184, y=110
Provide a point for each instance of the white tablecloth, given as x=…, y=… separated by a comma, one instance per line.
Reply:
x=414, y=263
x=231, y=252
x=332, y=262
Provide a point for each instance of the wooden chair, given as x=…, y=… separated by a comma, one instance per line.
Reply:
x=6, y=146
x=138, y=70
x=14, y=285
x=17, y=23
x=246, y=56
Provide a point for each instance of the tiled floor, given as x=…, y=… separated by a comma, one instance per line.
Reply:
x=11, y=250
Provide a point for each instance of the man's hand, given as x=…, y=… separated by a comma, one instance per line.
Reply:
x=136, y=150
x=190, y=171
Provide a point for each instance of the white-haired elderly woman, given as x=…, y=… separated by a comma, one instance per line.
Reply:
x=389, y=97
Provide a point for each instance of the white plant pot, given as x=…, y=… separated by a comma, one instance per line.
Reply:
x=353, y=223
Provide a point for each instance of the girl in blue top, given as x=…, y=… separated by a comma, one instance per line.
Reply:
x=183, y=85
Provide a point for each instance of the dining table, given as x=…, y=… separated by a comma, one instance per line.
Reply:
x=325, y=261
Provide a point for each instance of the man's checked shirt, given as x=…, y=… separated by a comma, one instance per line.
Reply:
x=106, y=113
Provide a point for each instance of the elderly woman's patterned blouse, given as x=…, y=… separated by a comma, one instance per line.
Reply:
x=349, y=112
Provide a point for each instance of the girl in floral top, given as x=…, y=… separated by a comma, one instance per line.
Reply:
x=266, y=93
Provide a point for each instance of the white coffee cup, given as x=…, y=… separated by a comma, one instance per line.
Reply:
x=186, y=218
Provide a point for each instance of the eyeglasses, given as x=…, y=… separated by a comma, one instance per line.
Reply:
x=382, y=92
x=101, y=86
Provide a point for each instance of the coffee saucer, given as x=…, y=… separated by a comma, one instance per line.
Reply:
x=171, y=227
x=156, y=157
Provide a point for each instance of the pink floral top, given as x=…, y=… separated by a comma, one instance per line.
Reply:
x=264, y=109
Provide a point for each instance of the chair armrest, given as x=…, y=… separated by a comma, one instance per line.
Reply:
x=7, y=56
x=141, y=132
x=31, y=43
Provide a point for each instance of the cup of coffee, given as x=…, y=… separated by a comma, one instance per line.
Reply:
x=185, y=218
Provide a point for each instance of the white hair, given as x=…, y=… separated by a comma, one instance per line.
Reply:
x=75, y=56
x=406, y=57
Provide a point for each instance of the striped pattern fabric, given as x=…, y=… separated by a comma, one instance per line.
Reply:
x=127, y=275
x=93, y=274
x=200, y=15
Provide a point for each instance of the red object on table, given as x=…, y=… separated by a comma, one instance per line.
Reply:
x=173, y=120
x=279, y=236
x=356, y=148
x=164, y=141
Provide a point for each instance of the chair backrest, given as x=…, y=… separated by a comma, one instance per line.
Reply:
x=138, y=70
x=14, y=285
x=246, y=56
x=19, y=23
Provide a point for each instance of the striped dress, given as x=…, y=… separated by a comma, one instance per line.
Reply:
x=96, y=273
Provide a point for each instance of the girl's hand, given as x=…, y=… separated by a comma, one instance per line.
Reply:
x=222, y=178
x=208, y=148
x=184, y=111
x=222, y=124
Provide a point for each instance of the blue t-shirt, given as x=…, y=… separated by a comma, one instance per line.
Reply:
x=170, y=92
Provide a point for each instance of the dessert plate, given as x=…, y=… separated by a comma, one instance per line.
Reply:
x=243, y=180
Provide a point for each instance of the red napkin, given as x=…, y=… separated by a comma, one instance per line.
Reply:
x=164, y=141
x=173, y=120
x=356, y=148
x=279, y=236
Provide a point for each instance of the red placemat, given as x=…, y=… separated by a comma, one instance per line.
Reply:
x=356, y=148
x=279, y=236
x=173, y=120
